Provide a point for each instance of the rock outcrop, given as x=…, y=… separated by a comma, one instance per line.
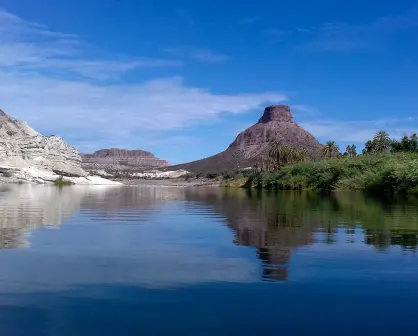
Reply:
x=23, y=147
x=117, y=160
x=251, y=145
x=26, y=155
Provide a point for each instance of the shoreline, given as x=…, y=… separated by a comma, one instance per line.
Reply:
x=170, y=182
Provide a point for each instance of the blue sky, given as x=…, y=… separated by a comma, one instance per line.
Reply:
x=182, y=78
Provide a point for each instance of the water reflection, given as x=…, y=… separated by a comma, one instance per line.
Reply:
x=24, y=208
x=120, y=249
x=275, y=224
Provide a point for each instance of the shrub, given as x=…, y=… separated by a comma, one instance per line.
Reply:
x=60, y=182
x=187, y=177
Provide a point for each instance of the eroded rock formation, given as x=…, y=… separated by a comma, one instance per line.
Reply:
x=26, y=155
x=23, y=147
x=251, y=145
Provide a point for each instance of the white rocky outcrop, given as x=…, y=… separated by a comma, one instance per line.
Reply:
x=154, y=174
x=27, y=156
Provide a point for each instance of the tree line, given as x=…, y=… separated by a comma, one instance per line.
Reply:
x=280, y=155
x=381, y=143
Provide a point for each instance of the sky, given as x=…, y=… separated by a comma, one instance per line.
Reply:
x=182, y=78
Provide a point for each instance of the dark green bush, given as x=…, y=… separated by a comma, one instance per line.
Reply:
x=211, y=175
x=60, y=182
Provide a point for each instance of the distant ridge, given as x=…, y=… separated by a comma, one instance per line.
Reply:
x=122, y=159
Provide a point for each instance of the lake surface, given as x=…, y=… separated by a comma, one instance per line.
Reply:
x=193, y=261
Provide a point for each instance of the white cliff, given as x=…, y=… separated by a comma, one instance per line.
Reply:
x=27, y=156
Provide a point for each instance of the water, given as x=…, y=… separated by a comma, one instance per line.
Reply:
x=195, y=261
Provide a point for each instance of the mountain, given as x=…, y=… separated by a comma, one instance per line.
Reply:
x=117, y=160
x=250, y=146
x=26, y=155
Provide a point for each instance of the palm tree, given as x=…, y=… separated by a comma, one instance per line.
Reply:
x=280, y=155
x=368, y=147
x=381, y=142
x=405, y=144
x=413, y=142
x=353, y=151
x=395, y=146
x=331, y=149
x=348, y=150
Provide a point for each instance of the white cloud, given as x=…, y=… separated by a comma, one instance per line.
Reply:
x=30, y=46
x=305, y=109
x=358, y=131
x=343, y=37
x=62, y=106
x=197, y=54
x=208, y=56
x=50, y=80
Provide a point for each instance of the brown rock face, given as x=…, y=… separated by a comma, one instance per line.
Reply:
x=120, y=153
x=122, y=159
x=279, y=113
x=251, y=145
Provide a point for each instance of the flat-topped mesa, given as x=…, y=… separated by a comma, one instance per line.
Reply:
x=124, y=153
x=117, y=160
x=280, y=113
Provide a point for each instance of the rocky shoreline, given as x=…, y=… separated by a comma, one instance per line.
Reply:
x=38, y=176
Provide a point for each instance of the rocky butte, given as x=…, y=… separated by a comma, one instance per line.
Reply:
x=26, y=155
x=251, y=145
x=117, y=160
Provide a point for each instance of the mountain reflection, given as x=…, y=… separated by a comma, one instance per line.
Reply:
x=279, y=223
x=274, y=234
x=24, y=208
x=275, y=224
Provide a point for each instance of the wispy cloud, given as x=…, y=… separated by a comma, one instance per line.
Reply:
x=29, y=46
x=202, y=55
x=84, y=107
x=249, y=20
x=208, y=56
x=162, y=104
x=344, y=37
x=276, y=35
x=98, y=114
x=359, y=131
x=307, y=110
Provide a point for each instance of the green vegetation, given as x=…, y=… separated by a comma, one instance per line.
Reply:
x=279, y=155
x=60, y=182
x=386, y=167
x=376, y=173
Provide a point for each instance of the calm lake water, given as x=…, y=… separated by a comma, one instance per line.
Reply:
x=193, y=261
